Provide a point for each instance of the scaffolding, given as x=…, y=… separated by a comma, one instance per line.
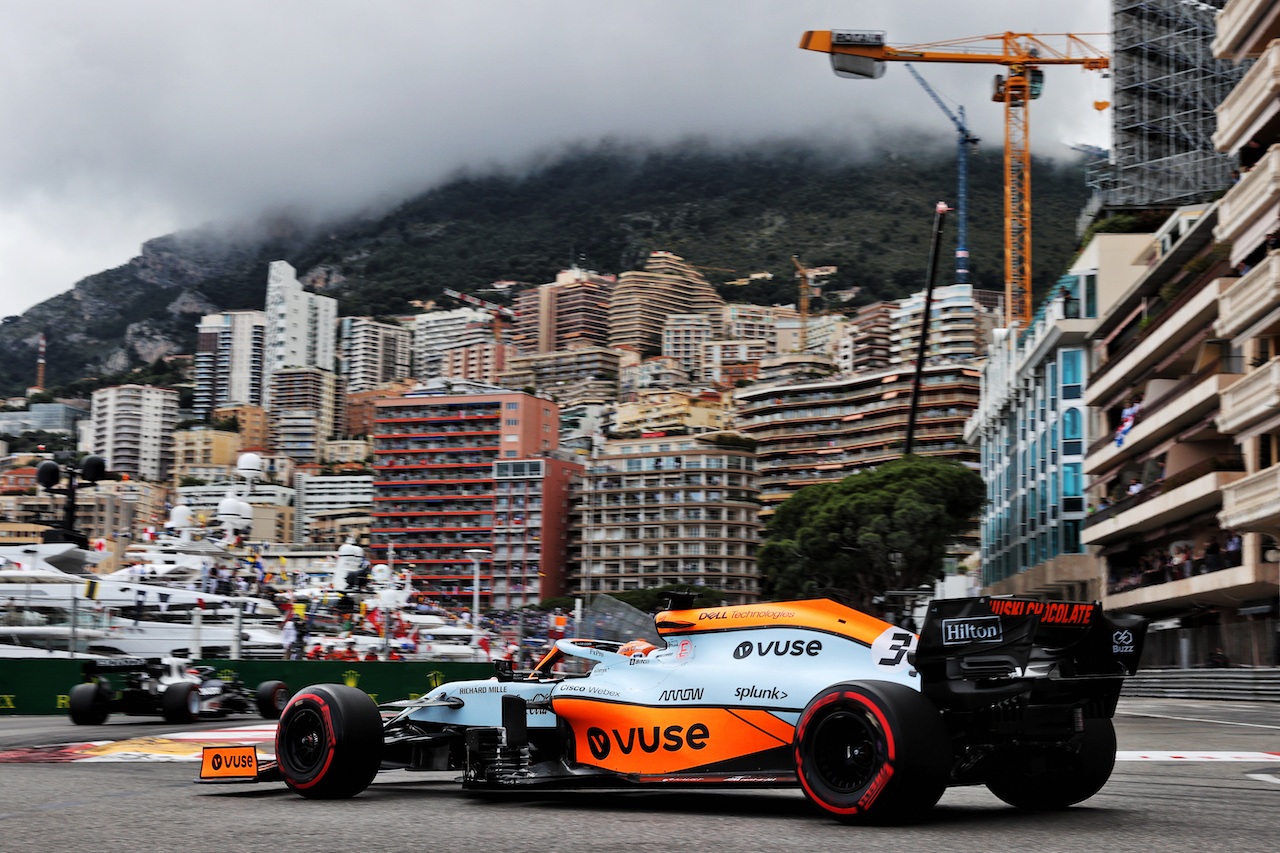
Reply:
x=1165, y=86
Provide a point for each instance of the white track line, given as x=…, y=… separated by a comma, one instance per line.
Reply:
x=1195, y=755
x=1195, y=720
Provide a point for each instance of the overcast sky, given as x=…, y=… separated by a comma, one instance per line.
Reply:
x=125, y=120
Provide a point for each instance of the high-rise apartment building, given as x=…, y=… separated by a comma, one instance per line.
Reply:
x=823, y=430
x=371, y=353
x=1033, y=431
x=669, y=510
x=229, y=360
x=573, y=376
x=571, y=311
x=435, y=331
x=466, y=467
x=483, y=361
x=305, y=411
x=317, y=495
x=866, y=344
x=133, y=429
x=643, y=299
x=683, y=336
x=300, y=328
x=958, y=326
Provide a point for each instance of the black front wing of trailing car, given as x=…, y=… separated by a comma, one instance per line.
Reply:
x=1008, y=673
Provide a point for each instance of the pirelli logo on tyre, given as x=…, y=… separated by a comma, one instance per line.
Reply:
x=229, y=762
x=975, y=629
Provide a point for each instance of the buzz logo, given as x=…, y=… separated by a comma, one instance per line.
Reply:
x=1122, y=642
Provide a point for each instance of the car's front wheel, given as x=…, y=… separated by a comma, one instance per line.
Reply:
x=1045, y=778
x=329, y=742
x=871, y=751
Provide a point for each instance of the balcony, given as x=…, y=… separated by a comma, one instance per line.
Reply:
x=1252, y=398
x=1248, y=298
x=1181, y=408
x=1186, y=319
x=1252, y=503
x=1250, y=102
x=1250, y=201
x=1244, y=28
x=1225, y=588
x=1160, y=504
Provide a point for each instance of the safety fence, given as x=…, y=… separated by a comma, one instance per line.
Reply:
x=42, y=685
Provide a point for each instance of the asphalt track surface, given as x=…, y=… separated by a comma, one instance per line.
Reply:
x=1173, y=804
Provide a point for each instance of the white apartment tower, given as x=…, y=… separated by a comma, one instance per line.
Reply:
x=372, y=353
x=300, y=325
x=133, y=429
x=436, y=331
x=229, y=360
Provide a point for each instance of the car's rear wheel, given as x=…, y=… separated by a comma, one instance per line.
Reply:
x=88, y=704
x=329, y=742
x=871, y=751
x=180, y=703
x=272, y=696
x=1044, y=778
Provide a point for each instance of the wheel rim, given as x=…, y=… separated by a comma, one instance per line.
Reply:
x=193, y=703
x=303, y=741
x=848, y=749
x=280, y=698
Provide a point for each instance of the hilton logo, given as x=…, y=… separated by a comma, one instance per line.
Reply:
x=978, y=629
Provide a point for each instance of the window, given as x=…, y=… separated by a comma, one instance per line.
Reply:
x=513, y=422
x=1071, y=480
x=513, y=405
x=1091, y=295
x=1071, y=443
x=1071, y=378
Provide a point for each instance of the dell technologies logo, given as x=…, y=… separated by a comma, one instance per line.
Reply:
x=976, y=629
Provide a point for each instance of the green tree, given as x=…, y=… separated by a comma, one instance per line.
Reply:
x=872, y=531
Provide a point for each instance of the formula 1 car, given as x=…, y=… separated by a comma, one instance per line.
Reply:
x=872, y=721
x=170, y=687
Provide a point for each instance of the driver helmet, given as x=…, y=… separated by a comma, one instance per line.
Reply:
x=636, y=648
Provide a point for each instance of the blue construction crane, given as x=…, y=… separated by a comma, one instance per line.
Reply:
x=963, y=141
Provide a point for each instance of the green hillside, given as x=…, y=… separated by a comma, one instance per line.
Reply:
x=603, y=207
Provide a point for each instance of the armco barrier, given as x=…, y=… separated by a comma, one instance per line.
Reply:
x=1246, y=685
x=41, y=685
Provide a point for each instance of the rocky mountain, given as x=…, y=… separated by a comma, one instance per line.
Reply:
x=603, y=208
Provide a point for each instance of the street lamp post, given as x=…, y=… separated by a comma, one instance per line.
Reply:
x=476, y=555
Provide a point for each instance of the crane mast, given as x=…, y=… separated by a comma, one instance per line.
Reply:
x=861, y=54
x=963, y=140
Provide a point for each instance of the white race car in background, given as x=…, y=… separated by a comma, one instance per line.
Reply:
x=169, y=687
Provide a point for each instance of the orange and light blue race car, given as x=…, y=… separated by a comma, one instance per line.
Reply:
x=872, y=721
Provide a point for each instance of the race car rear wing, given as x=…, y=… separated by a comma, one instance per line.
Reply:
x=974, y=650
x=101, y=666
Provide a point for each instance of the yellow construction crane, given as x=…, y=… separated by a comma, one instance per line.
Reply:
x=861, y=54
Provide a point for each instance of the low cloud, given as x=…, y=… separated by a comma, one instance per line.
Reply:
x=129, y=119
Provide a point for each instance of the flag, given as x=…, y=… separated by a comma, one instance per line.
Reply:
x=1125, y=426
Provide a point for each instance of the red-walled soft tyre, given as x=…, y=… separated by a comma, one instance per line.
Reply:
x=329, y=743
x=872, y=751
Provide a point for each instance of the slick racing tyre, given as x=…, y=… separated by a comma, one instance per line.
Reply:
x=89, y=704
x=329, y=742
x=1044, y=779
x=271, y=698
x=180, y=703
x=871, y=751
